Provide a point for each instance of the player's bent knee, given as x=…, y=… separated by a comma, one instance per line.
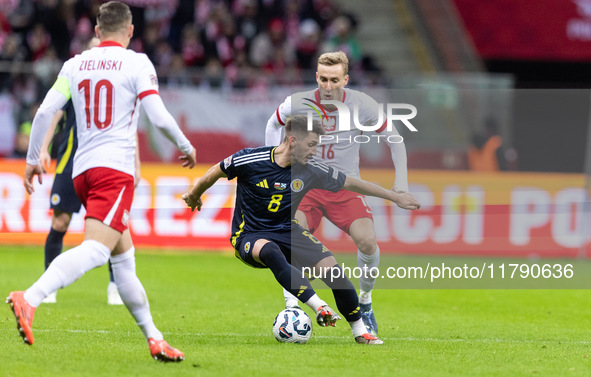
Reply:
x=271, y=256
x=269, y=248
x=367, y=245
x=327, y=262
x=336, y=278
x=61, y=221
x=126, y=257
x=257, y=247
x=124, y=245
x=100, y=253
x=302, y=219
x=363, y=234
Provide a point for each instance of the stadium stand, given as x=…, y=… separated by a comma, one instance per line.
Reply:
x=206, y=43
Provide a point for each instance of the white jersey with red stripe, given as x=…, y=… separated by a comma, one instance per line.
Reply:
x=339, y=151
x=106, y=84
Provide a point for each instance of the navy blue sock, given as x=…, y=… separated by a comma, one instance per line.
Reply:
x=286, y=274
x=111, y=278
x=344, y=294
x=53, y=246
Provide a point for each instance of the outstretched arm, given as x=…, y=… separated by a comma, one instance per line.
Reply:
x=193, y=196
x=54, y=101
x=44, y=157
x=274, y=131
x=398, y=153
x=161, y=118
x=402, y=200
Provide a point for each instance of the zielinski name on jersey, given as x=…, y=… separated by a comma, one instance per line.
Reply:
x=100, y=65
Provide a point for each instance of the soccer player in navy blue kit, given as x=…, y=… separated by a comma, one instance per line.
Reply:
x=271, y=183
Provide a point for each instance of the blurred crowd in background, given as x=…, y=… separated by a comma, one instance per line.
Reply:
x=227, y=44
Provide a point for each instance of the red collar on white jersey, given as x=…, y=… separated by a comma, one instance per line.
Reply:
x=110, y=44
x=317, y=95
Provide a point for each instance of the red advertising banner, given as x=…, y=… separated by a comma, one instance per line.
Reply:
x=529, y=30
x=503, y=214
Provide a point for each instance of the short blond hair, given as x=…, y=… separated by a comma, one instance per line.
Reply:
x=334, y=58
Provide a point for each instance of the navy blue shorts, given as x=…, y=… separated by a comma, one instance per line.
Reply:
x=300, y=247
x=63, y=196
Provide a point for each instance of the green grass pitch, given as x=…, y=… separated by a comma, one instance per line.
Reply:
x=220, y=312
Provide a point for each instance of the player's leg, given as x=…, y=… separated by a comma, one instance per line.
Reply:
x=350, y=212
x=306, y=252
x=64, y=202
x=368, y=259
x=63, y=271
x=302, y=219
x=309, y=251
x=113, y=297
x=346, y=298
x=60, y=221
x=135, y=299
x=94, y=252
x=107, y=195
x=266, y=253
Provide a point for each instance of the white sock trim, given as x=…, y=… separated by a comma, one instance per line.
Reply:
x=364, y=297
x=315, y=302
x=130, y=253
x=290, y=300
x=67, y=268
x=132, y=293
x=368, y=263
x=358, y=328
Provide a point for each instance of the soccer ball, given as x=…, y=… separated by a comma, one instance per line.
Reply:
x=292, y=326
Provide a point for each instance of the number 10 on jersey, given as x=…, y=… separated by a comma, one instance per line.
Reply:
x=101, y=94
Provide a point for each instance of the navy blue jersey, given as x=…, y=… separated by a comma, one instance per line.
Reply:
x=66, y=140
x=267, y=195
x=63, y=196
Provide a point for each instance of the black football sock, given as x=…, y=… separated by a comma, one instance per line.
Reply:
x=344, y=293
x=287, y=275
x=53, y=246
x=111, y=278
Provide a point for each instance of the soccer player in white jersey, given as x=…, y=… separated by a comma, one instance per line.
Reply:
x=348, y=211
x=106, y=85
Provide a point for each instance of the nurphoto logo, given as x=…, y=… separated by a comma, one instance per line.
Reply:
x=342, y=123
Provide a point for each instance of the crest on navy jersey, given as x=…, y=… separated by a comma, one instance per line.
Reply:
x=297, y=185
x=55, y=199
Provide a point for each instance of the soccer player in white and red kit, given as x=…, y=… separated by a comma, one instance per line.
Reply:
x=338, y=149
x=106, y=85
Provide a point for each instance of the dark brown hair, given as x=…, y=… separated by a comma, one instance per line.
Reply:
x=113, y=16
x=298, y=125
